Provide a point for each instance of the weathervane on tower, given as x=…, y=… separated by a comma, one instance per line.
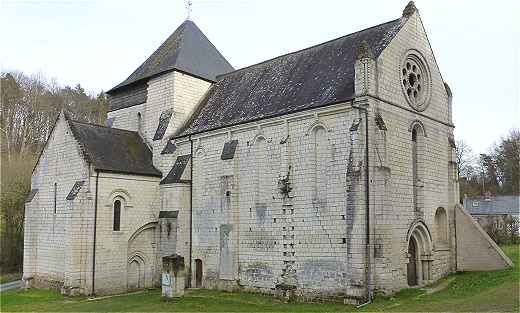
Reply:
x=188, y=4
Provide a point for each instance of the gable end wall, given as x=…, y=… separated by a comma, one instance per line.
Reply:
x=392, y=163
x=52, y=247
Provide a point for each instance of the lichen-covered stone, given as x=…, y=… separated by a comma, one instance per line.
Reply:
x=409, y=9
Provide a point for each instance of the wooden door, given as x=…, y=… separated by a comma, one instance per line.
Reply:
x=412, y=263
x=198, y=273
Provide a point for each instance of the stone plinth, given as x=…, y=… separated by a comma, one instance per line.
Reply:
x=173, y=276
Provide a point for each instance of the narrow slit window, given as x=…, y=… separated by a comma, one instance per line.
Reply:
x=414, y=167
x=139, y=123
x=117, y=215
x=55, y=196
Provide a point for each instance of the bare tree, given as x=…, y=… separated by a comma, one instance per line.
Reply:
x=466, y=159
x=506, y=159
x=29, y=107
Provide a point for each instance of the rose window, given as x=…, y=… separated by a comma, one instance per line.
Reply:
x=415, y=82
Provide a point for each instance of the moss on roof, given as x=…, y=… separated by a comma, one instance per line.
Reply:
x=114, y=150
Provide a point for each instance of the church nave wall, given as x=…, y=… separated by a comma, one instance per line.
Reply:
x=276, y=213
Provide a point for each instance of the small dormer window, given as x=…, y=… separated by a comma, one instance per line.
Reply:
x=475, y=203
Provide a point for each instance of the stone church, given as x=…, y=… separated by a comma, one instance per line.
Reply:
x=328, y=172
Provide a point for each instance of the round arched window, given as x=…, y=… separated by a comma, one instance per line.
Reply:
x=415, y=80
x=116, y=226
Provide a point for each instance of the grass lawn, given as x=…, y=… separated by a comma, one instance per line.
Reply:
x=471, y=291
x=475, y=291
x=9, y=277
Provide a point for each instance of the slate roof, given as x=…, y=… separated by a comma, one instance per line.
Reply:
x=169, y=148
x=309, y=78
x=114, y=150
x=175, y=174
x=164, y=120
x=493, y=205
x=110, y=121
x=168, y=214
x=75, y=190
x=228, y=152
x=31, y=195
x=187, y=50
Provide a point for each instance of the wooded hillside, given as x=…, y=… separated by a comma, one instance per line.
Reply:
x=30, y=105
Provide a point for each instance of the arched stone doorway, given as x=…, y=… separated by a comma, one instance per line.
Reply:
x=411, y=267
x=419, y=254
x=142, y=272
x=135, y=273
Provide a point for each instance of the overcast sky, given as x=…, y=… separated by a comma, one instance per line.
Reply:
x=99, y=43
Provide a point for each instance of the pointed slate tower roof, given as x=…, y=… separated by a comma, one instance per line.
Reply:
x=187, y=50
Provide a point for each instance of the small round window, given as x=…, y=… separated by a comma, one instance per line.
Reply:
x=415, y=80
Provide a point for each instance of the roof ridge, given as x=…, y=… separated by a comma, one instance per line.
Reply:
x=304, y=49
x=103, y=126
x=308, y=78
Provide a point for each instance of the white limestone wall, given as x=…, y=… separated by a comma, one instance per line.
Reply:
x=127, y=118
x=245, y=230
x=188, y=91
x=139, y=214
x=176, y=197
x=174, y=90
x=160, y=98
x=391, y=152
x=411, y=36
x=186, y=94
x=78, y=249
x=50, y=257
x=476, y=251
x=392, y=197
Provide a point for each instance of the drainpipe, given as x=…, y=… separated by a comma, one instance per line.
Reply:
x=455, y=235
x=94, y=244
x=191, y=212
x=368, y=273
